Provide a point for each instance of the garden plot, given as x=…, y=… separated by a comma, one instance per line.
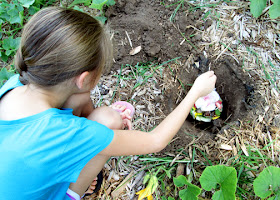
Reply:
x=177, y=44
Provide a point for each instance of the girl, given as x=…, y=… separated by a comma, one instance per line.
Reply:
x=51, y=139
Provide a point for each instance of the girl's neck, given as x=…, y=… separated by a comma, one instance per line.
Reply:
x=54, y=97
x=28, y=100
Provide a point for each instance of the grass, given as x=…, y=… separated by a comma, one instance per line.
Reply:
x=269, y=75
x=248, y=167
x=142, y=72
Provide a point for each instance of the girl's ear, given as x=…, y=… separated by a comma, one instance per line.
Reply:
x=81, y=80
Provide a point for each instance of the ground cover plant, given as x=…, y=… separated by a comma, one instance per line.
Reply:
x=13, y=14
x=172, y=43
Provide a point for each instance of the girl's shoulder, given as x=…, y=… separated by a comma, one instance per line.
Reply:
x=12, y=83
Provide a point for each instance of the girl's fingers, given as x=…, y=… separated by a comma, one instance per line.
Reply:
x=127, y=123
x=126, y=115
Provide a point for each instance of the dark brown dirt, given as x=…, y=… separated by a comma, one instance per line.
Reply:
x=147, y=24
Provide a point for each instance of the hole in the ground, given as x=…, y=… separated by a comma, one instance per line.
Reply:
x=215, y=125
x=232, y=86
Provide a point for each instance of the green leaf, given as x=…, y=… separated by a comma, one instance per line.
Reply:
x=4, y=7
x=11, y=43
x=26, y=3
x=190, y=193
x=110, y=2
x=274, y=10
x=98, y=4
x=102, y=19
x=15, y=13
x=268, y=182
x=276, y=1
x=5, y=75
x=85, y=2
x=257, y=6
x=32, y=10
x=8, y=52
x=146, y=178
x=180, y=181
x=225, y=177
x=78, y=8
x=4, y=57
x=171, y=198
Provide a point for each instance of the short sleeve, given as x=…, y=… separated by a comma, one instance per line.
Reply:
x=89, y=139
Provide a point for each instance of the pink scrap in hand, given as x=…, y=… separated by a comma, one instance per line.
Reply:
x=208, y=103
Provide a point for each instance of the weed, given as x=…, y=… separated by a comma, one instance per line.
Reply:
x=13, y=14
x=142, y=72
x=246, y=167
x=271, y=75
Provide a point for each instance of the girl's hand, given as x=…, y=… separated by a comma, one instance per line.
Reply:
x=204, y=84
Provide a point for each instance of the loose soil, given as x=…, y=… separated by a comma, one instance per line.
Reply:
x=146, y=24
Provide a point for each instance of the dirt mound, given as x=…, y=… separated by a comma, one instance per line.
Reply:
x=147, y=24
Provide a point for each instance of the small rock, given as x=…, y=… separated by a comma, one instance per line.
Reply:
x=208, y=23
x=180, y=169
x=197, y=37
x=276, y=120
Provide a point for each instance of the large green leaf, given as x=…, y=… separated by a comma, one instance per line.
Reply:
x=3, y=11
x=257, y=6
x=189, y=193
x=274, y=10
x=15, y=14
x=98, y=4
x=11, y=43
x=225, y=177
x=267, y=183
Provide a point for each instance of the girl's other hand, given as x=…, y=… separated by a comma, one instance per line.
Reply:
x=204, y=84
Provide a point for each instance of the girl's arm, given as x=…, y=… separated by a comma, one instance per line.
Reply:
x=132, y=142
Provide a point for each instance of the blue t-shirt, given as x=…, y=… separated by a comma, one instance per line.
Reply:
x=41, y=155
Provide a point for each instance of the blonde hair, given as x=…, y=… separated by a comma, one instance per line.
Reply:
x=58, y=44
